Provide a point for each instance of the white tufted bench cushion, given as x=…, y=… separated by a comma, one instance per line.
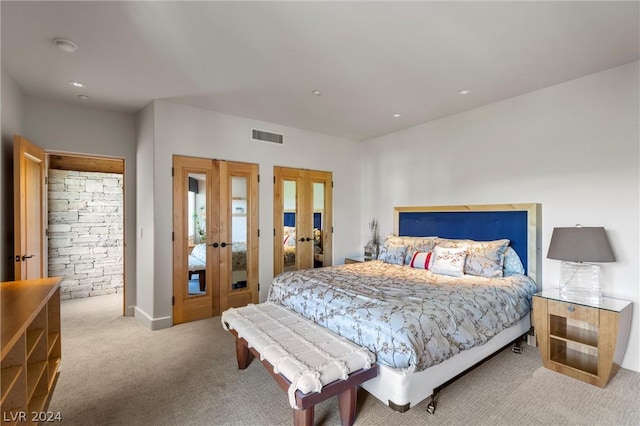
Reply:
x=307, y=355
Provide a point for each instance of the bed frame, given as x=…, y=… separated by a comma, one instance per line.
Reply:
x=520, y=223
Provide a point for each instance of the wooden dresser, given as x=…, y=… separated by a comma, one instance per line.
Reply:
x=31, y=347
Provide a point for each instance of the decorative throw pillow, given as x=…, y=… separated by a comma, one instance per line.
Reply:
x=392, y=252
x=512, y=263
x=452, y=243
x=486, y=258
x=317, y=237
x=449, y=261
x=417, y=244
x=421, y=259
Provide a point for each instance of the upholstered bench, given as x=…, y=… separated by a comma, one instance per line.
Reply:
x=307, y=361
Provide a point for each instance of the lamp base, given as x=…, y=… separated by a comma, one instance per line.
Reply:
x=580, y=282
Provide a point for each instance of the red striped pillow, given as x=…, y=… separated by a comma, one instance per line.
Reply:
x=421, y=260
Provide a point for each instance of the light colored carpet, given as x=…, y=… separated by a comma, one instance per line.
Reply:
x=116, y=372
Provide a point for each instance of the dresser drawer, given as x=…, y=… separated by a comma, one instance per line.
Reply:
x=573, y=311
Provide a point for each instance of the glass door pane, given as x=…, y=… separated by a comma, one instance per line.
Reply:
x=318, y=224
x=239, y=230
x=289, y=219
x=196, y=234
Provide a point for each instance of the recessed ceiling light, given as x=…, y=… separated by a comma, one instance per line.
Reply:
x=83, y=97
x=76, y=83
x=316, y=92
x=464, y=91
x=397, y=115
x=65, y=45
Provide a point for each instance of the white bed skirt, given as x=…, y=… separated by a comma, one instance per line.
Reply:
x=404, y=390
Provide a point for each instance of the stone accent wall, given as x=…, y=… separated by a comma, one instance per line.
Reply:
x=85, y=232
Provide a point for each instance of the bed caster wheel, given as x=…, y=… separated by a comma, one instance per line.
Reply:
x=431, y=408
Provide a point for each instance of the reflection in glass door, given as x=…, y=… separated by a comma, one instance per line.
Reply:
x=239, y=230
x=318, y=217
x=289, y=228
x=302, y=219
x=196, y=231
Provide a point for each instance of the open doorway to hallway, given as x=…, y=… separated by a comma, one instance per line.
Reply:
x=86, y=225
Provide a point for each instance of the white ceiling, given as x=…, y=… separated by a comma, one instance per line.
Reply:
x=262, y=60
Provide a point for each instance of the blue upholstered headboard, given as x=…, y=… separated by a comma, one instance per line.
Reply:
x=290, y=219
x=517, y=222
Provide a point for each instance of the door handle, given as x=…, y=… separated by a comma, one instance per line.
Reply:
x=25, y=257
x=307, y=239
x=223, y=244
x=214, y=245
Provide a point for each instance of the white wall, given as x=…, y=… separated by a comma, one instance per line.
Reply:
x=184, y=130
x=145, y=216
x=573, y=147
x=66, y=127
x=11, y=113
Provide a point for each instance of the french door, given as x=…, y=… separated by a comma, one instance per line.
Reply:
x=215, y=250
x=303, y=227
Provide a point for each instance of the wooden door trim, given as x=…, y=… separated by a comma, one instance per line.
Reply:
x=92, y=163
x=86, y=163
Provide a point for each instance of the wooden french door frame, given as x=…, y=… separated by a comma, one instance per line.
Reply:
x=185, y=307
x=219, y=294
x=305, y=180
x=230, y=297
x=91, y=163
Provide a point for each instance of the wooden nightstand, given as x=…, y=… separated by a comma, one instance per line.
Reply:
x=580, y=339
x=356, y=259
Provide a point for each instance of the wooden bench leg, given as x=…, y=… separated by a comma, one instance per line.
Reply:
x=243, y=354
x=347, y=404
x=303, y=417
x=202, y=280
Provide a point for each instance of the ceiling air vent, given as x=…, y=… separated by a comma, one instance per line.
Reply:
x=261, y=135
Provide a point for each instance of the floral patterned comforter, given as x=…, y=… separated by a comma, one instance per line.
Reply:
x=410, y=318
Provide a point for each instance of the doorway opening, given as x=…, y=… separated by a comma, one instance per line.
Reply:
x=85, y=204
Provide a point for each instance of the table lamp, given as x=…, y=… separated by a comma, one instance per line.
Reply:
x=575, y=247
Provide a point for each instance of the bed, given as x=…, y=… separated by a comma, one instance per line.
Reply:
x=428, y=326
x=198, y=261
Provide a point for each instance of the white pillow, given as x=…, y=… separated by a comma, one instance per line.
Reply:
x=449, y=261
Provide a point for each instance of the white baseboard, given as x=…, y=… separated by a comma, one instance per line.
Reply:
x=152, y=323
